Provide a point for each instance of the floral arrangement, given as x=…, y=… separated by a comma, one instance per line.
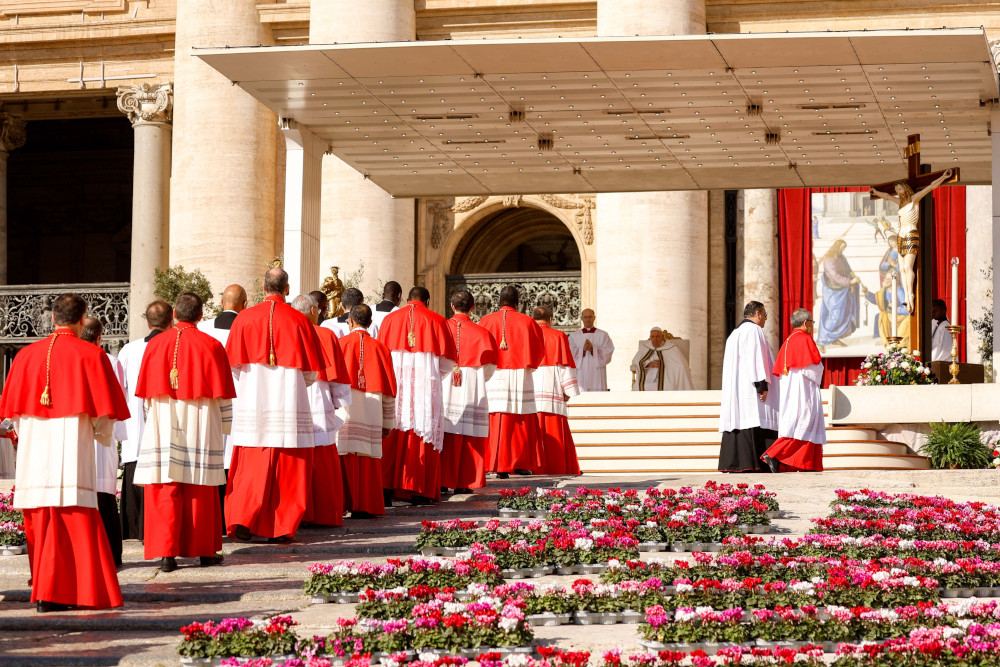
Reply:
x=866, y=547
x=355, y=576
x=11, y=522
x=992, y=441
x=526, y=499
x=895, y=366
x=233, y=637
x=807, y=656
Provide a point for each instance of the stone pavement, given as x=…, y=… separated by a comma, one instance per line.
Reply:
x=260, y=579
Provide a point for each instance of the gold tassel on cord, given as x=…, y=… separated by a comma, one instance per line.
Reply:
x=271, y=358
x=411, y=339
x=361, y=380
x=503, y=343
x=173, y=378
x=45, y=400
x=456, y=376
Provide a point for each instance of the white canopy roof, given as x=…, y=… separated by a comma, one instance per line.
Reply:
x=641, y=113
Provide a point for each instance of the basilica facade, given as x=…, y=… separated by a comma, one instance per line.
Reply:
x=122, y=152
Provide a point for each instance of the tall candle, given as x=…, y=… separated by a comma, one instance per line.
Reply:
x=954, y=291
x=895, y=306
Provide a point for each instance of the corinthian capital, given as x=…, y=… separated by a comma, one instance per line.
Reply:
x=12, y=132
x=147, y=103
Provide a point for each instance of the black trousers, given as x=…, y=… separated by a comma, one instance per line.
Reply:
x=108, y=508
x=131, y=505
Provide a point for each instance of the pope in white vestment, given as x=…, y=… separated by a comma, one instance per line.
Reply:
x=749, y=412
x=659, y=365
x=591, y=361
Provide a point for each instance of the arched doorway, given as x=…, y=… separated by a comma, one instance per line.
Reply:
x=524, y=246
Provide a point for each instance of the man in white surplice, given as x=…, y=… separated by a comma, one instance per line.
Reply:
x=592, y=349
x=940, y=336
x=659, y=365
x=749, y=416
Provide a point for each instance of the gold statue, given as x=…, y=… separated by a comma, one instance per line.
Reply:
x=276, y=263
x=333, y=288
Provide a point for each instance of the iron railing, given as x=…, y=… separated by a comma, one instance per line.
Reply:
x=559, y=290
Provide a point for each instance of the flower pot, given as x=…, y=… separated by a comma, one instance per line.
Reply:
x=653, y=546
x=14, y=550
x=591, y=568
x=949, y=592
x=697, y=546
x=984, y=591
x=595, y=618
x=829, y=647
x=745, y=528
x=966, y=592
x=442, y=551
x=660, y=646
x=502, y=650
x=678, y=547
x=548, y=619
x=201, y=662
x=774, y=514
x=760, y=529
x=527, y=572
x=712, y=648
x=712, y=546
x=335, y=598
x=631, y=616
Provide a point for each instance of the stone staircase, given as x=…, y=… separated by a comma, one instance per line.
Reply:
x=668, y=432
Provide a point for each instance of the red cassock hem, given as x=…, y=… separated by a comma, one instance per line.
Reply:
x=558, y=450
x=70, y=558
x=796, y=455
x=182, y=520
x=410, y=464
x=513, y=443
x=463, y=462
x=362, y=483
x=326, y=503
x=268, y=489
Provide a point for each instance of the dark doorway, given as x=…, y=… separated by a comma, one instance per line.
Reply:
x=70, y=202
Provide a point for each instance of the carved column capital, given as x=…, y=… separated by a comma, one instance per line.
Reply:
x=12, y=132
x=147, y=103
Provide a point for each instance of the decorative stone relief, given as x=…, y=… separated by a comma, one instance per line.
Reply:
x=438, y=212
x=147, y=103
x=12, y=132
x=560, y=291
x=995, y=50
x=26, y=311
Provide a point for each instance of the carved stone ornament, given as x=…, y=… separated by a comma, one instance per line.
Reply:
x=438, y=212
x=995, y=50
x=147, y=103
x=12, y=132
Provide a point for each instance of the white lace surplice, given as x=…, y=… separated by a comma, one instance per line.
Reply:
x=419, y=399
x=273, y=409
x=364, y=420
x=55, y=460
x=801, y=413
x=512, y=390
x=466, y=408
x=182, y=442
x=552, y=385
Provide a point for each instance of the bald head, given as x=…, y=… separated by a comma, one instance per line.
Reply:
x=234, y=298
x=587, y=316
x=276, y=281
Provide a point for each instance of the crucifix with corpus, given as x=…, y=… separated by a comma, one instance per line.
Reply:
x=906, y=194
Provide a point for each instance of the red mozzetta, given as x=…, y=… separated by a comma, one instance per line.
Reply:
x=799, y=351
x=519, y=339
x=476, y=346
x=274, y=327
x=557, y=352
x=336, y=370
x=416, y=328
x=378, y=373
x=202, y=366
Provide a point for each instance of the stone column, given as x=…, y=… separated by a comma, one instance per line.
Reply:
x=978, y=256
x=360, y=221
x=760, y=258
x=222, y=211
x=652, y=248
x=12, y=135
x=303, y=174
x=150, y=108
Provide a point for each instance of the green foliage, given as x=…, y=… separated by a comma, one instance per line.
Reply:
x=983, y=326
x=956, y=446
x=174, y=281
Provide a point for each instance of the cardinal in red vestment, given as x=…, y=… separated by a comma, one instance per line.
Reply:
x=466, y=411
x=275, y=354
x=369, y=417
x=513, y=441
x=331, y=390
x=555, y=381
x=63, y=396
x=188, y=387
x=801, y=429
x=423, y=354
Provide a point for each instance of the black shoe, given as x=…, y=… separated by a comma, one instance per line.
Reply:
x=280, y=539
x=242, y=533
x=205, y=561
x=361, y=514
x=387, y=497
x=463, y=490
x=444, y=490
x=44, y=607
x=522, y=472
x=168, y=564
x=770, y=463
x=421, y=500
x=503, y=475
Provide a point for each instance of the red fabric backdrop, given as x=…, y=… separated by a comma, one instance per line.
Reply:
x=795, y=254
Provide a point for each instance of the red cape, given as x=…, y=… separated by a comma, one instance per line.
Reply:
x=295, y=342
x=476, y=347
x=202, y=366
x=336, y=370
x=557, y=352
x=798, y=351
x=380, y=378
x=81, y=381
x=525, y=343
x=430, y=331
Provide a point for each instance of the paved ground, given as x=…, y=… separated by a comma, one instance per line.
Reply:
x=263, y=579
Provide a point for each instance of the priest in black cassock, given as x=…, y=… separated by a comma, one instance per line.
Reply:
x=749, y=416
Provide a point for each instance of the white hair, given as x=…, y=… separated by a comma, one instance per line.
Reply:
x=304, y=303
x=799, y=317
